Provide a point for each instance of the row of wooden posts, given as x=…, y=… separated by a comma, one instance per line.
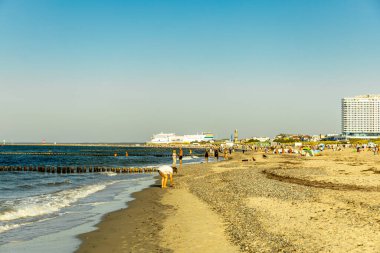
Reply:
x=56, y=154
x=76, y=169
x=83, y=154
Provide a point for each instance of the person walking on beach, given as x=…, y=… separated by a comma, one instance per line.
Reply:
x=216, y=154
x=180, y=157
x=376, y=150
x=206, y=156
x=166, y=172
x=174, y=156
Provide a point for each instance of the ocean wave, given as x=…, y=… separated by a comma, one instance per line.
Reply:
x=48, y=184
x=7, y=227
x=4, y=208
x=26, y=186
x=6, y=188
x=109, y=173
x=57, y=183
x=49, y=203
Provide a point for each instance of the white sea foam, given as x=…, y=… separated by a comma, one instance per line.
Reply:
x=49, y=203
x=109, y=173
x=7, y=227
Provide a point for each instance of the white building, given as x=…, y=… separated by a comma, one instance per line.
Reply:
x=361, y=116
x=166, y=138
x=163, y=138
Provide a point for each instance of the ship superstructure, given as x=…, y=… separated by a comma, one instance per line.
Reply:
x=166, y=138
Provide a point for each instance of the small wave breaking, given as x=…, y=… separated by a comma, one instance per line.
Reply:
x=49, y=203
x=7, y=227
x=109, y=173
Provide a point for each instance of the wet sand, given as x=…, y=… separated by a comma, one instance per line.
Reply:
x=133, y=229
x=283, y=203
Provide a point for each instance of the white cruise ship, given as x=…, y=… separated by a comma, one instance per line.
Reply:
x=166, y=138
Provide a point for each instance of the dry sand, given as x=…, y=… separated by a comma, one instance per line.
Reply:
x=284, y=203
x=192, y=227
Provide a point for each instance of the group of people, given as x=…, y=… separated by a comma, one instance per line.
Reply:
x=374, y=149
x=180, y=156
x=166, y=171
x=215, y=152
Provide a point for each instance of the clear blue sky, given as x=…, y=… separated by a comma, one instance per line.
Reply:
x=115, y=71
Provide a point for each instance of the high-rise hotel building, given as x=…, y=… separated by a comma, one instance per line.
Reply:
x=361, y=116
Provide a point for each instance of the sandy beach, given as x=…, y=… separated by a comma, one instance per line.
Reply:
x=283, y=203
x=100, y=99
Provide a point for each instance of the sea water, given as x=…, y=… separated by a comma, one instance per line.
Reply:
x=44, y=212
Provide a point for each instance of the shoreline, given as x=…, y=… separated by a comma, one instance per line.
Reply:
x=129, y=224
x=157, y=220
x=249, y=211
